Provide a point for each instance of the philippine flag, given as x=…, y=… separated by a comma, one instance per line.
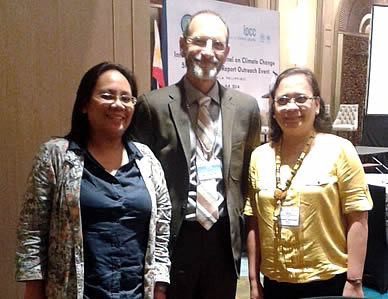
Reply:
x=157, y=66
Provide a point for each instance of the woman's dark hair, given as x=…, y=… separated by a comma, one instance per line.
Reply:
x=320, y=124
x=79, y=122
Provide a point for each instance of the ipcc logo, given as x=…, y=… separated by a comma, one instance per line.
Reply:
x=248, y=31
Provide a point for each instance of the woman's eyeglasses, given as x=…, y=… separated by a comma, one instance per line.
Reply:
x=124, y=98
x=301, y=99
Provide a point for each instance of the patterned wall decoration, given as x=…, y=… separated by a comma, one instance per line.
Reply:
x=354, y=77
x=351, y=13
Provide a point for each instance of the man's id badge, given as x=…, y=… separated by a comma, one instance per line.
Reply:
x=289, y=216
x=208, y=170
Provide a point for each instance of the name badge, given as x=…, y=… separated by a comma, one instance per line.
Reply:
x=289, y=216
x=208, y=170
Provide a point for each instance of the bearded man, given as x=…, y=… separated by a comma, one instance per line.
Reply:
x=203, y=134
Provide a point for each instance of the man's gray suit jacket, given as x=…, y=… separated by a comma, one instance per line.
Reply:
x=161, y=120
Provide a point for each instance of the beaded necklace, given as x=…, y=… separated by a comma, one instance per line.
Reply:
x=279, y=193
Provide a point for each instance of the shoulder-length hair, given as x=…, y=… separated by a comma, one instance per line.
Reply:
x=320, y=124
x=79, y=131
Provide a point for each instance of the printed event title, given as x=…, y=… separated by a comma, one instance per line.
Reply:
x=242, y=69
x=255, y=66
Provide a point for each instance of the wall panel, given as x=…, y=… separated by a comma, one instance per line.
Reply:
x=354, y=76
x=46, y=47
x=141, y=47
x=8, y=177
x=123, y=42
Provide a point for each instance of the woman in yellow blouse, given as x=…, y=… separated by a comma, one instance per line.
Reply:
x=307, y=202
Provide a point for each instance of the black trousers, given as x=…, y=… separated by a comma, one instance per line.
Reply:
x=202, y=265
x=281, y=290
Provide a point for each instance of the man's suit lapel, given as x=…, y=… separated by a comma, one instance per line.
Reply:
x=181, y=119
x=228, y=111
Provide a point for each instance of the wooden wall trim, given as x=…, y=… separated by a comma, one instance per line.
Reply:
x=132, y=39
x=123, y=32
x=142, y=44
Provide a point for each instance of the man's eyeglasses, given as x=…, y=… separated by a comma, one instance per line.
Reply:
x=301, y=99
x=203, y=42
x=124, y=98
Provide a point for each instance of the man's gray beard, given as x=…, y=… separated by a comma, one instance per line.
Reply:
x=200, y=74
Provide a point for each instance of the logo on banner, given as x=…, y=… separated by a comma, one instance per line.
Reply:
x=184, y=21
x=249, y=31
x=251, y=34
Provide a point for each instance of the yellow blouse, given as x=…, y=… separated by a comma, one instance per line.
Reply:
x=329, y=184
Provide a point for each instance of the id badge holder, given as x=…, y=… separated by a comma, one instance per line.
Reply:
x=290, y=210
x=208, y=170
x=289, y=216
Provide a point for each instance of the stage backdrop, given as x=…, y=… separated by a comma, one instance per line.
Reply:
x=378, y=62
x=254, y=44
